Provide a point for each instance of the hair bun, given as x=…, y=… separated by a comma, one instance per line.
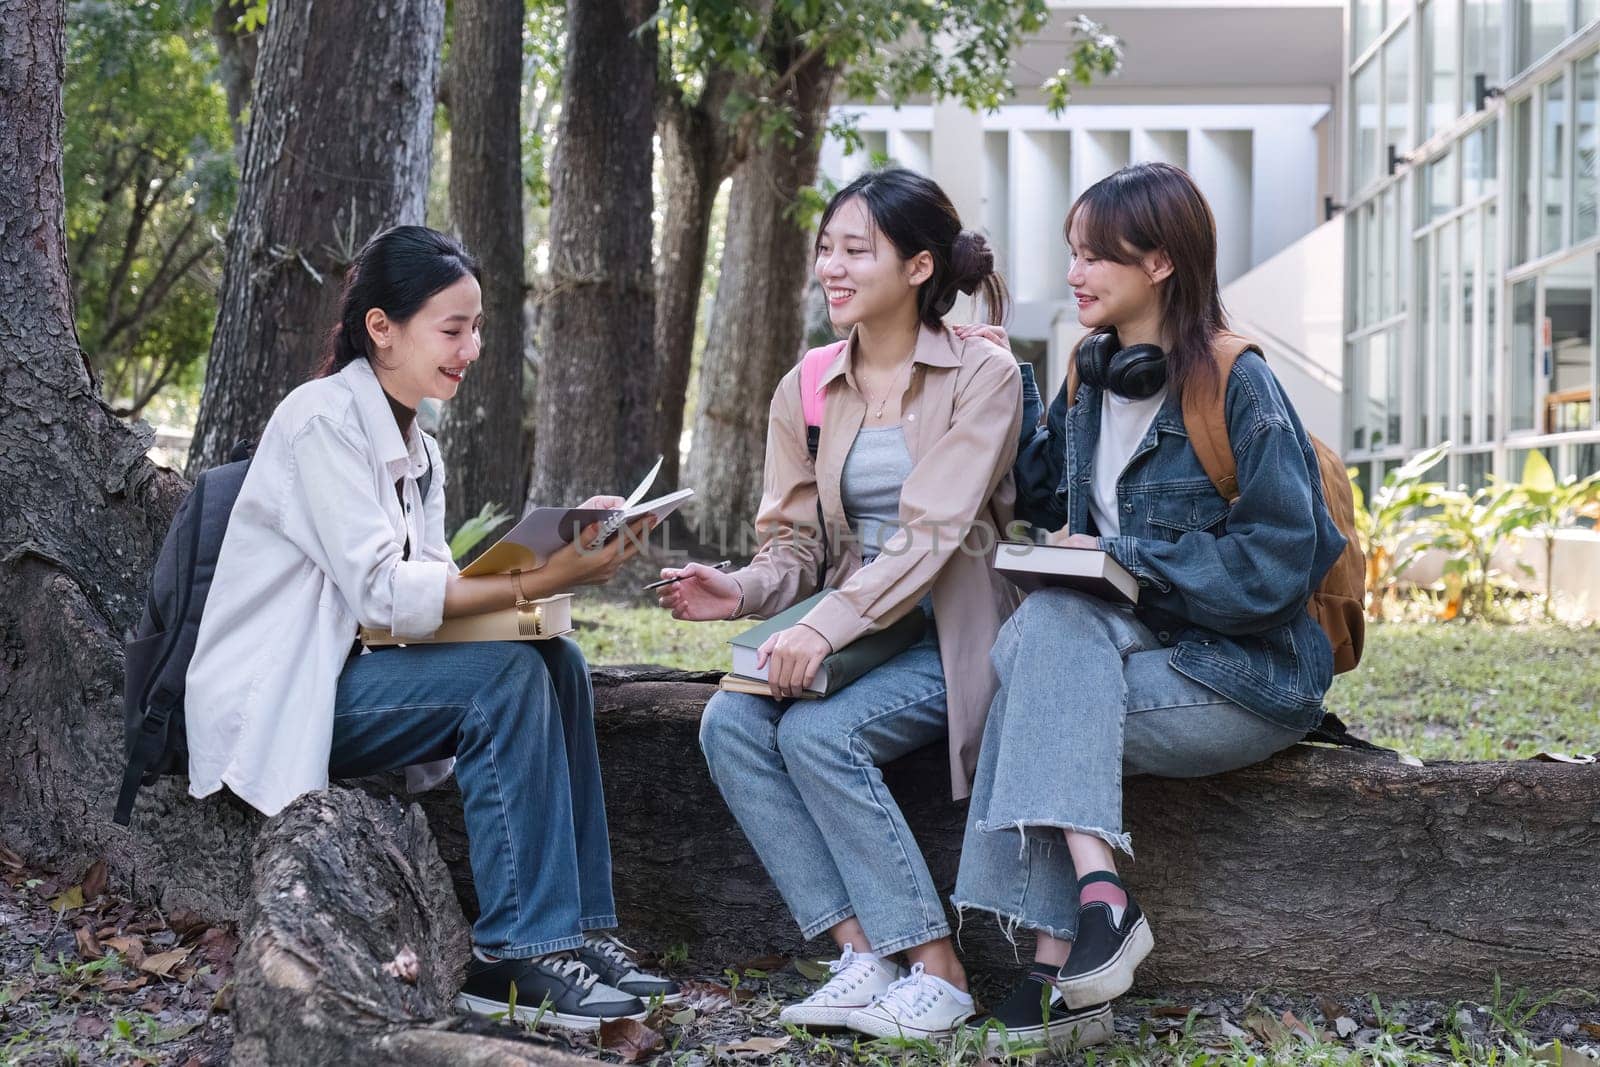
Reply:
x=971, y=260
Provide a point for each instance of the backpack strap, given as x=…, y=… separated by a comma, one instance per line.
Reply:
x=1205, y=416
x=813, y=396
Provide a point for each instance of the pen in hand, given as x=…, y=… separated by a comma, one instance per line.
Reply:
x=724, y=565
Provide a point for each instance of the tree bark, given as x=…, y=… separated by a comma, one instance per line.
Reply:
x=481, y=428
x=82, y=514
x=238, y=51
x=693, y=164
x=756, y=322
x=353, y=946
x=595, y=406
x=339, y=147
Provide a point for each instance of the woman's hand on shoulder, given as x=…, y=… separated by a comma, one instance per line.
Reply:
x=792, y=658
x=996, y=334
x=701, y=594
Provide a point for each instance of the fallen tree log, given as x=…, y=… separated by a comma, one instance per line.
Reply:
x=1322, y=869
x=352, y=947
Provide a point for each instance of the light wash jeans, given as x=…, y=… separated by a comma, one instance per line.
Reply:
x=802, y=779
x=1086, y=695
x=519, y=719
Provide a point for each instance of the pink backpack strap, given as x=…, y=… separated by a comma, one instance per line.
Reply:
x=815, y=363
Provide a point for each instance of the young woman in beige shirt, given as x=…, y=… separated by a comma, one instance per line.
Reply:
x=913, y=477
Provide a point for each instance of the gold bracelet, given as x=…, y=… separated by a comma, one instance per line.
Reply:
x=516, y=586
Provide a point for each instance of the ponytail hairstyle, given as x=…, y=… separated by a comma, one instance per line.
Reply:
x=1149, y=207
x=916, y=215
x=397, y=271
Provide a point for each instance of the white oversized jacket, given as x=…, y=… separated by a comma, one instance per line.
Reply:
x=313, y=547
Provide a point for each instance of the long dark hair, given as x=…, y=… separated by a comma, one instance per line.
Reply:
x=396, y=271
x=916, y=215
x=1146, y=207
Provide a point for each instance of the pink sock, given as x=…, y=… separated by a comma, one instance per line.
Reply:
x=1109, y=893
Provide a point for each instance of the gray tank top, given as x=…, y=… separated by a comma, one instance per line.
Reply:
x=869, y=486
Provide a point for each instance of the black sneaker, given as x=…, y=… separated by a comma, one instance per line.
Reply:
x=1105, y=953
x=556, y=989
x=1036, y=1014
x=608, y=957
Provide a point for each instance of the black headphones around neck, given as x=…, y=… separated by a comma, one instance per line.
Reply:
x=1137, y=372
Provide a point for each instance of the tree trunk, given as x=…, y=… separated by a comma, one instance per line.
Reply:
x=757, y=322
x=595, y=406
x=237, y=53
x=481, y=428
x=353, y=946
x=82, y=514
x=339, y=146
x=692, y=166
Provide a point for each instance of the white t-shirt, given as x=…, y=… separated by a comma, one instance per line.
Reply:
x=1123, y=424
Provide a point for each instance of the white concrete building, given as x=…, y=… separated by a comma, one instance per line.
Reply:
x=1241, y=93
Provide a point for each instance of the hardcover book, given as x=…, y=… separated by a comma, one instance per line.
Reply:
x=838, y=669
x=1088, y=570
x=537, y=620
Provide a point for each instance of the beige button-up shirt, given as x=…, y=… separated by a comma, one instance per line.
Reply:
x=960, y=416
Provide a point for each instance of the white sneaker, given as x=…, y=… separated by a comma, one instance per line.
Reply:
x=857, y=981
x=920, y=1005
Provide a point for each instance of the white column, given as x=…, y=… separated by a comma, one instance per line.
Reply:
x=1099, y=153
x=1220, y=161
x=1041, y=193
x=958, y=159
x=995, y=219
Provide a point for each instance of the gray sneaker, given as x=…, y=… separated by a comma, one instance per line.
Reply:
x=610, y=959
x=554, y=990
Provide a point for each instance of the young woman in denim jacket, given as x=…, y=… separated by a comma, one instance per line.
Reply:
x=1218, y=667
x=916, y=449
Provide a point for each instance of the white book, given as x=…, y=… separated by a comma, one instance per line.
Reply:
x=1088, y=570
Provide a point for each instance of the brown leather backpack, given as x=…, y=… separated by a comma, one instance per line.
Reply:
x=1339, y=603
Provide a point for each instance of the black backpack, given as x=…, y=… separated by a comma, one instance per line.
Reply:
x=159, y=650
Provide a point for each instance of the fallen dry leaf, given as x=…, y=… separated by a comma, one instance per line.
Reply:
x=815, y=970
x=88, y=945
x=1171, y=1011
x=94, y=879
x=164, y=963
x=218, y=947
x=630, y=1039
x=72, y=898
x=1266, y=1028
x=763, y=963
x=1296, y=1027
x=120, y=985
x=764, y=1046
x=1563, y=1055
x=1330, y=1010
x=1344, y=1026
x=405, y=966
x=1559, y=757
x=130, y=948
x=9, y=859
x=1229, y=1030
x=706, y=997
x=1592, y=1029
x=90, y=1027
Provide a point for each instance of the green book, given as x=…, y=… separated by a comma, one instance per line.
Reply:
x=839, y=669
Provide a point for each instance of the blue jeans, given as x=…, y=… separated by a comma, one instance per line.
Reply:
x=519, y=719
x=1087, y=694
x=802, y=779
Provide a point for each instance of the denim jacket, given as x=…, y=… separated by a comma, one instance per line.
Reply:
x=1225, y=588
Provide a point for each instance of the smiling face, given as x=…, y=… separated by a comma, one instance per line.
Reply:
x=1120, y=295
x=862, y=274
x=430, y=353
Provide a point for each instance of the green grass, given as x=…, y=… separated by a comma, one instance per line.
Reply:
x=1475, y=691
x=1438, y=690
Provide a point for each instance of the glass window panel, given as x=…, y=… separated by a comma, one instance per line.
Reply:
x=1371, y=256
x=1368, y=23
x=1480, y=46
x=1441, y=178
x=1462, y=398
x=1522, y=181
x=1587, y=11
x=1360, y=414
x=1524, y=357
x=1553, y=167
x=1541, y=25
x=1424, y=321
x=1491, y=300
x=1368, y=132
x=1381, y=412
x=1474, y=470
x=1389, y=255
x=1569, y=310
x=1441, y=89
x=1585, y=459
x=1478, y=162
x=1397, y=90
x=1587, y=143
x=1443, y=336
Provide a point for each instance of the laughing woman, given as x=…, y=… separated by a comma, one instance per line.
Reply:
x=1218, y=667
x=916, y=446
x=340, y=523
